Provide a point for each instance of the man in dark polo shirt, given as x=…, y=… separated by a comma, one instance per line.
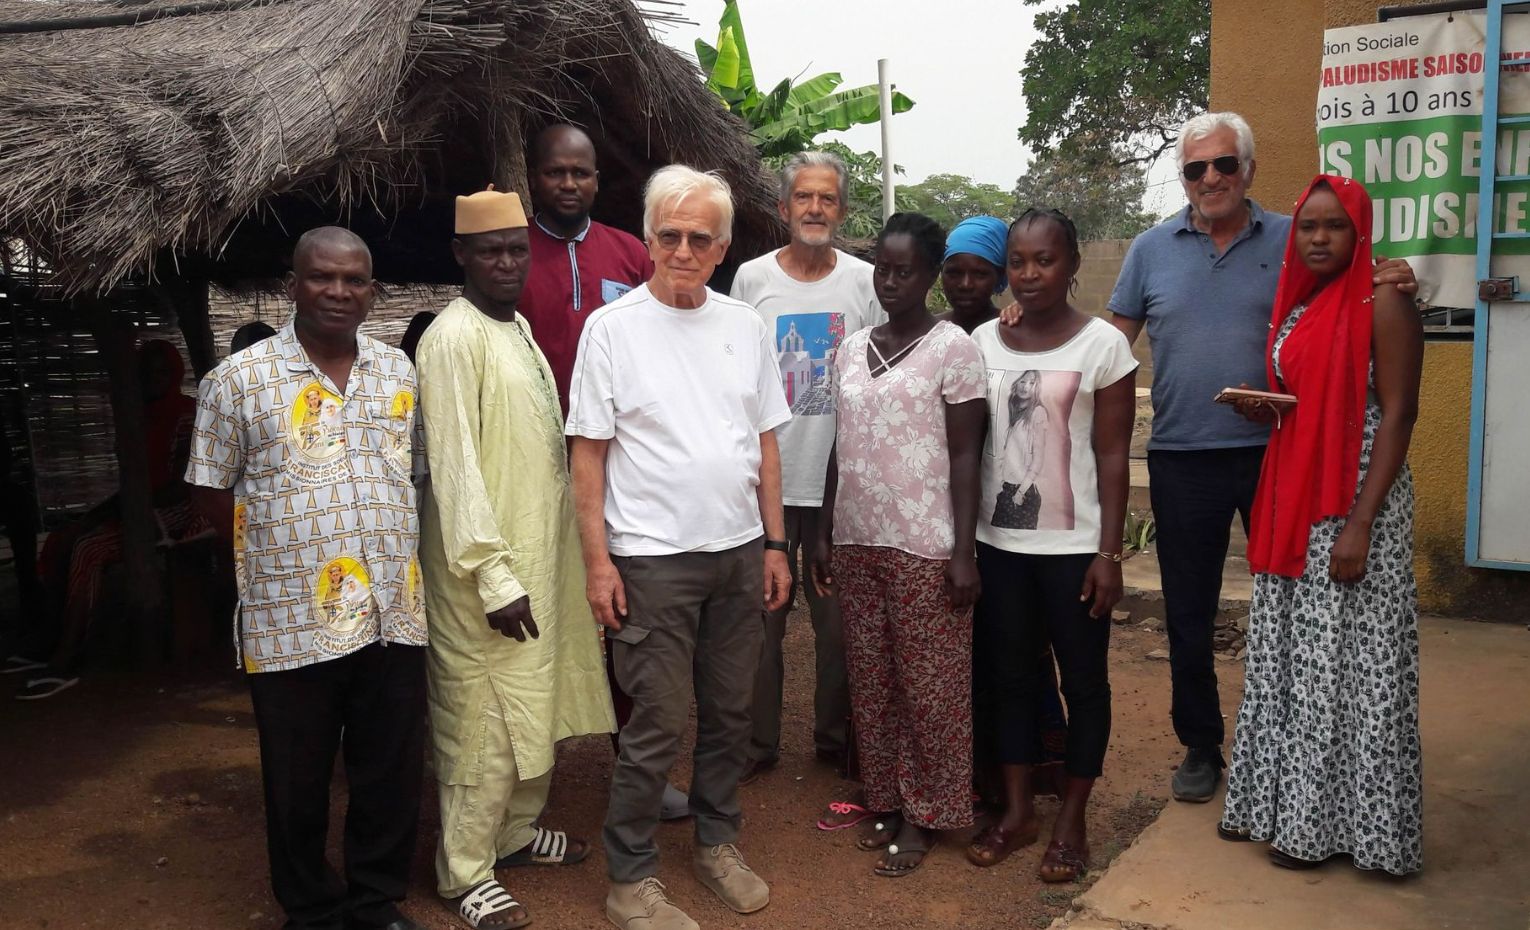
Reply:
x=577, y=264
x=1203, y=283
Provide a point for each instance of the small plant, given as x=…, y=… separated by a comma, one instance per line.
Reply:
x=1140, y=531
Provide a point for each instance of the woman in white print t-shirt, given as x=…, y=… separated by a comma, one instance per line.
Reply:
x=1061, y=400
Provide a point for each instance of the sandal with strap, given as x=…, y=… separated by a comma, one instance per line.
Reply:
x=920, y=851
x=1063, y=863
x=548, y=847
x=1287, y=861
x=883, y=832
x=1233, y=836
x=994, y=843
x=842, y=815
x=488, y=906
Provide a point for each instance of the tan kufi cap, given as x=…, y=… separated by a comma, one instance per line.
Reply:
x=489, y=210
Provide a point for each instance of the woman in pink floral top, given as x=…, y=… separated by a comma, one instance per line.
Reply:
x=902, y=486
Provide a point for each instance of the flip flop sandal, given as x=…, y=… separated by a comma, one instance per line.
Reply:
x=1063, y=863
x=488, y=907
x=1287, y=861
x=38, y=688
x=998, y=844
x=883, y=832
x=851, y=812
x=1234, y=836
x=886, y=869
x=14, y=664
x=548, y=847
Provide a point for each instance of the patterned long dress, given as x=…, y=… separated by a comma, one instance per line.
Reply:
x=1326, y=756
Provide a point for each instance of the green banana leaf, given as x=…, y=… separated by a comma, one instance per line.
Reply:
x=835, y=112
x=814, y=88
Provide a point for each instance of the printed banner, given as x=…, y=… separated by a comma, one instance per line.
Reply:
x=1400, y=109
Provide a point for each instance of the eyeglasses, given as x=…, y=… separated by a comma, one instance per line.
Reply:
x=670, y=239
x=1226, y=165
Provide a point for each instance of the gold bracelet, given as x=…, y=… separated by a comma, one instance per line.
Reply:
x=1113, y=556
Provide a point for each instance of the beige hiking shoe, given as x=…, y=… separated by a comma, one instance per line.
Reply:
x=722, y=869
x=644, y=906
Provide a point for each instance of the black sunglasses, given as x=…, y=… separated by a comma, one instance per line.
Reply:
x=1226, y=165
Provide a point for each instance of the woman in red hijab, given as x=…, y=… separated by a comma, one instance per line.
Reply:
x=1325, y=757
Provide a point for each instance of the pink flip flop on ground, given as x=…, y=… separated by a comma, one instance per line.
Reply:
x=853, y=814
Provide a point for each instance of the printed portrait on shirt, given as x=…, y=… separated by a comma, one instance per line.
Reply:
x=317, y=433
x=805, y=344
x=241, y=533
x=400, y=416
x=342, y=604
x=1028, y=433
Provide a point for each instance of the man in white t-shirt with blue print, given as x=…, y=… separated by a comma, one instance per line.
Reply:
x=811, y=296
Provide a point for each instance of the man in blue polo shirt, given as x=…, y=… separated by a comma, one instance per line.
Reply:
x=1203, y=282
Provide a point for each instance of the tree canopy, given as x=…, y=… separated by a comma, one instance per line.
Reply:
x=1099, y=189
x=950, y=198
x=1133, y=71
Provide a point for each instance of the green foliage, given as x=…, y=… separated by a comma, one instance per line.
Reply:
x=950, y=198
x=787, y=118
x=1141, y=531
x=1099, y=189
x=1136, y=70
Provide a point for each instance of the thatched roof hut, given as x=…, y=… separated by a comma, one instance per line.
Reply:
x=197, y=139
x=152, y=148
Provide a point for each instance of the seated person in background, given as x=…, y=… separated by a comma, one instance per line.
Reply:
x=75, y=557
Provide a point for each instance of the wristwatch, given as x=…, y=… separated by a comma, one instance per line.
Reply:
x=777, y=544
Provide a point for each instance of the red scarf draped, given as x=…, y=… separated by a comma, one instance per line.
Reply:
x=1313, y=461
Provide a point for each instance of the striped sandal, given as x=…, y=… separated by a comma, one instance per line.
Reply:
x=488, y=906
x=548, y=847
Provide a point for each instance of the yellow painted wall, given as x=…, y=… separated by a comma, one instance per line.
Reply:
x=1264, y=64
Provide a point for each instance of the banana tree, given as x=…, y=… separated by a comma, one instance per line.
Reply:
x=788, y=117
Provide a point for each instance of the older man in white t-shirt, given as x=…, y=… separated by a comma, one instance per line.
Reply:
x=673, y=404
x=811, y=296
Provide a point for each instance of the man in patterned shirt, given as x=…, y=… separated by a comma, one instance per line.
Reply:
x=332, y=624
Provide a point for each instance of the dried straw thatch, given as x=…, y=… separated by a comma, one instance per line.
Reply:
x=143, y=138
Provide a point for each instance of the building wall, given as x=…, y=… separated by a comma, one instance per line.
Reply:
x=1265, y=67
x=1096, y=279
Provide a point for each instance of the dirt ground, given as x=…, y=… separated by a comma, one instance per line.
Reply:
x=132, y=801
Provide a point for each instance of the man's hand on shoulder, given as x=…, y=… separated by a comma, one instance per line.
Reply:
x=1396, y=272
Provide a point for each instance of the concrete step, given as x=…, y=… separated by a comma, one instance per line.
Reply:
x=1141, y=578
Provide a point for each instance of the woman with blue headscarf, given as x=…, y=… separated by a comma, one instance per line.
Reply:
x=973, y=270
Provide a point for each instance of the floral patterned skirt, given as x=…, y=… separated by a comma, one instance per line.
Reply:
x=910, y=661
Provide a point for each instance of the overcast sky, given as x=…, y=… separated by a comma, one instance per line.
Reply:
x=959, y=60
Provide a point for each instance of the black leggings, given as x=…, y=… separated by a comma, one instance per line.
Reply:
x=1028, y=601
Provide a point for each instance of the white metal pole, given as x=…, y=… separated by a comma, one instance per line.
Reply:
x=885, y=97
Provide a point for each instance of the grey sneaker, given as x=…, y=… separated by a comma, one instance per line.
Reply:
x=1196, y=779
x=644, y=905
x=722, y=869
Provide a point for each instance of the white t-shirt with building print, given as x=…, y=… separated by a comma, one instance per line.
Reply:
x=807, y=321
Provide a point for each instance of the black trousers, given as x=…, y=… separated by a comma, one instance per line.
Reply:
x=369, y=705
x=1027, y=602
x=1195, y=496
